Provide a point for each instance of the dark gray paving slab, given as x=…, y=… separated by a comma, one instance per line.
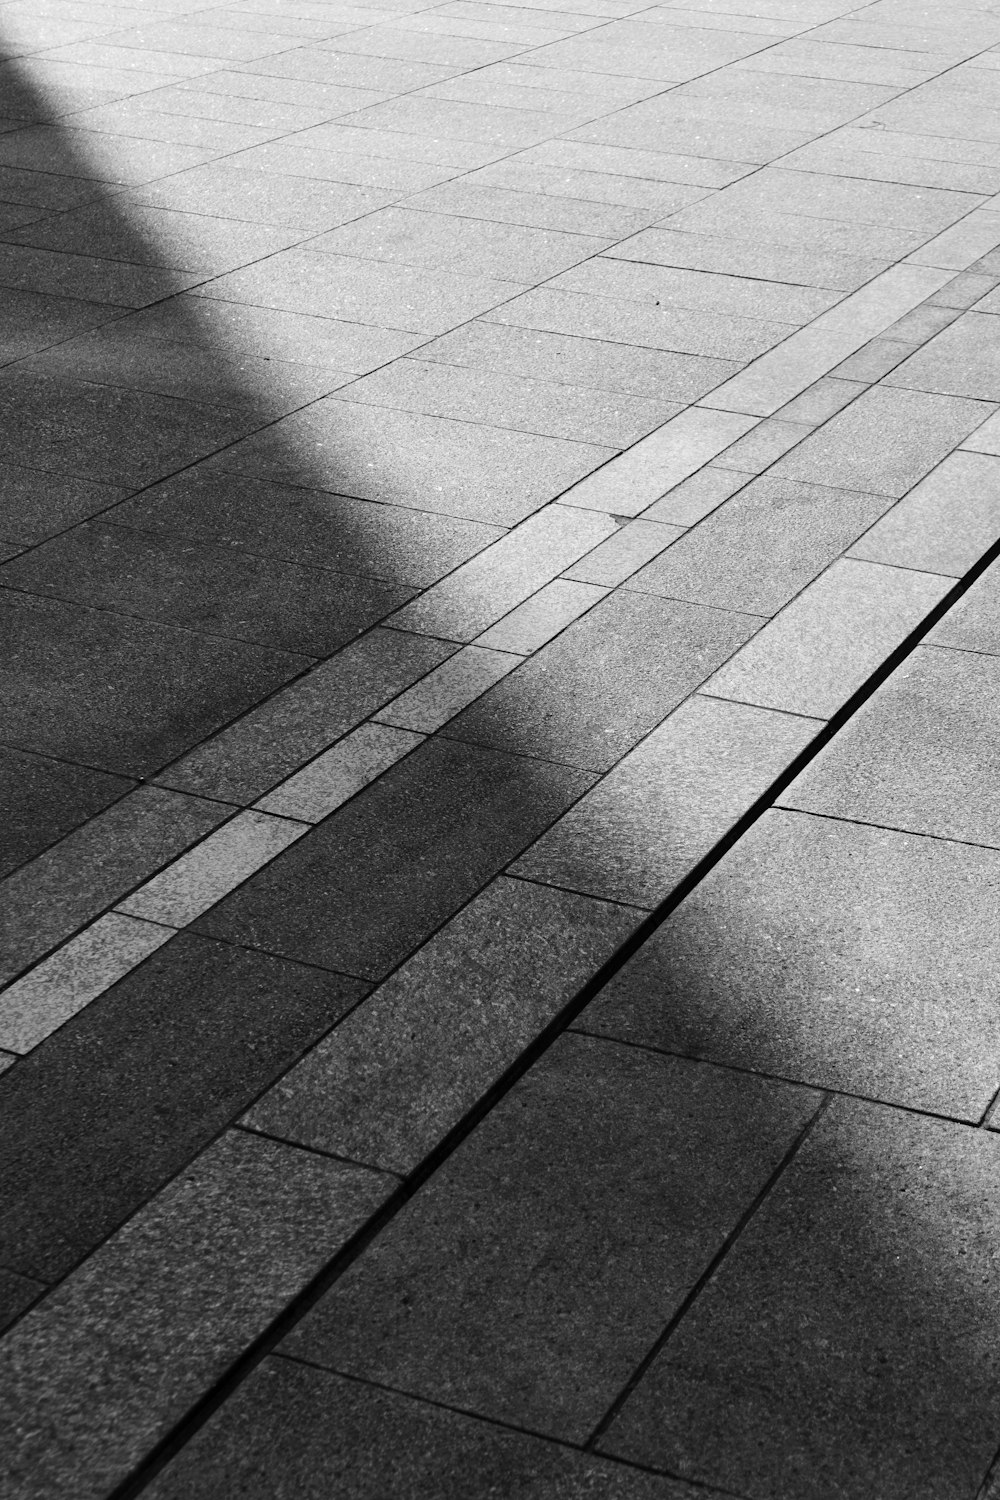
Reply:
x=609, y=1177
x=34, y=504
x=962, y=360
x=846, y=1345
x=113, y=1104
x=308, y=526
x=883, y=442
x=455, y=468
x=118, y=693
x=268, y=743
x=90, y=278
x=16, y=1295
x=840, y=955
x=295, y=1425
x=380, y=875
x=390, y=1081
x=44, y=799
x=945, y=523
x=921, y=754
x=758, y=549
x=221, y=591
x=31, y=320
x=972, y=623
x=666, y=804
x=118, y=1353
x=88, y=870
x=588, y=696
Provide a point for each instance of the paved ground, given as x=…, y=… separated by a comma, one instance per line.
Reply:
x=500, y=714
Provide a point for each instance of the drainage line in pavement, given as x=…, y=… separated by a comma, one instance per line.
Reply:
x=167, y=1448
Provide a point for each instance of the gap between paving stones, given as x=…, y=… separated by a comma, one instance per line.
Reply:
x=164, y=1451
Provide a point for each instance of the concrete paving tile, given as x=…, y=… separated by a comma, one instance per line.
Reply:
x=196, y=40
x=832, y=159
x=262, y=197
x=307, y=526
x=820, y=649
x=920, y=755
x=46, y=189
x=412, y=299
x=361, y=167
x=121, y=118
x=665, y=246
x=468, y=246
x=369, y=884
x=278, y=117
x=576, y=413
x=884, y=442
x=699, y=128
x=922, y=323
x=270, y=742
x=212, y=869
x=16, y=1295
x=812, y=352
x=525, y=173
x=763, y=445
x=292, y=1423
x=330, y=780
x=985, y=439
x=662, y=808
x=965, y=289
x=410, y=46
x=862, y=1276
x=851, y=198
x=624, y=553
x=451, y=687
x=638, y=477
x=89, y=279
x=33, y=320
x=717, y=215
x=100, y=158
x=642, y=51
x=53, y=993
x=961, y=360
x=945, y=523
x=578, y=361
x=481, y=591
x=972, y=624
x=328, y=70
x=493, y=125
x=668, y=286
x=832, y=953
x=620, y=320
x=761, y=547
x=430, y=147
x=962, y=244
x=114, y=1357
x=121, y=694
x=120, y=1099
x=694, y=498
x=874, y=361
x=389, y=1082
x=598, y=688
x=494, y=475
x=858, y=64
x=42, y=800
x=46, y=901
x=539, y=210
x=609, y=1177
x=541, y=617
x=222, y=591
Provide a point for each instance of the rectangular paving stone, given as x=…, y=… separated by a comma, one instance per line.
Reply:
x=122, y=694
x=30, y=320
x=884, y=442
x=115, y=1356
x=270, y=742
x=763, y=445
x=920, y=755
x=670, y=286
x=973, y=624
x=632, y=481
x=865, y=1271
x=539, y=210
x=42, y=800
x=263, y=197
x=760, y=547
x=120, y=1099
x=601, y=1239
x=965, y=290
x=335, y=776
x=963, y=243
x=292, y=1423
x=49, y=995
x=821, y=401
x=481, y=591
x=624, y=553
x=387, y=1085
x=820, y=649
x=961, y=360
x=668, y=802
x=799, y=265
x=16, y=1295
x=363, y=888
x=694, y=498
x=452, y=686
x=945, y=523
x=544, y=615
x=874, y=361
x=588, y=696
x=217, y=590
x=832, y=953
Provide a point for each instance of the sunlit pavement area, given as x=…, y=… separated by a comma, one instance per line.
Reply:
x=500, y=687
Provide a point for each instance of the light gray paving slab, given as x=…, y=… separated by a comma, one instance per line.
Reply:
x=618, y=558
x=694, y=498
x=962, y=244
x=451, y=687
x=920, y=755
x=544, y=615
x=874, y=361
x=966, y=289
x=333, y=777
x=668, y=802
x=945, y=523
x=670, y=286
x=481, y=591
x=797, y=265
x=819, y=402
x=607, y=221
x=263, y=197
x=389, y=1082
x=820, y=649
x=527, y=173
x=961, y=360
x=763, y=445
x=973, y=624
